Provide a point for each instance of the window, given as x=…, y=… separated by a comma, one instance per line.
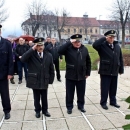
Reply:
x=68, y=30
x=80, y=30
x=91, y=30
x=74, y=30
x=95, y=30
x=85, y=31
x=54, y=35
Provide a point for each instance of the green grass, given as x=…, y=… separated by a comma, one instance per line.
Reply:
x=94, y=57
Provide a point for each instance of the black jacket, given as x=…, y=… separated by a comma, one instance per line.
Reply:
x=78, y=63
x=20, y=50
x=111, y=61
x=46, y=43
x=40, y=73
x=6, y=59
x=54, y=51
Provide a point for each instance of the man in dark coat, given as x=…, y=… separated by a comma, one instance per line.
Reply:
x=78, y=67
x=21, y=48
x=48, y=41
x=53, y=49
x=40, y=74
x=6, y=73
x=111, y=63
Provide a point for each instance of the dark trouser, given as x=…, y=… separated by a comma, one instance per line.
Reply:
x=37, y=94
x=108, y=85
x=4, y=92
x=56, y=63
x=70, y=89
x=20, y=69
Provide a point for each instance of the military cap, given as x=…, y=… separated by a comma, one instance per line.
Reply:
x=0, y=27
x=39, y=41
x=110, y=33
x=75, y=37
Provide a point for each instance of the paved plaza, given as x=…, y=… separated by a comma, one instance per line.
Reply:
x=95, y=118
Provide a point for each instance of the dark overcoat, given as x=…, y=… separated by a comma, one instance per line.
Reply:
x=6, y=59
x=40, y=73
x=111, y=61
x=78, y=63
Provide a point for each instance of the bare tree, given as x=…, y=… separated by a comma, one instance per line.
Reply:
x=3, y=12
x=61, y=21
x=35, y=16
x=120, y=11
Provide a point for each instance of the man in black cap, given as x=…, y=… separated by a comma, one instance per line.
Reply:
x=40, y=74
x=6, y=73
x=78, y=67
x=111, y=63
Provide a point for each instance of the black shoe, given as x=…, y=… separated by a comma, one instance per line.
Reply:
x=20, y=81
x=82, y=110
x=47, y=114
x=59, y=80
x=69, y=111
x=115, y=105
x=38, y=115
x=12, y=81
x=104, y=107
x=7, y=116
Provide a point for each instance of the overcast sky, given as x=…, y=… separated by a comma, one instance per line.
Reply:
x=16, y=9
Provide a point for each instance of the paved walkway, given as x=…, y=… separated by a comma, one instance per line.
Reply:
x=23, y=115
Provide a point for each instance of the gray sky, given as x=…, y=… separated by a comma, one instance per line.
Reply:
x=16, y=9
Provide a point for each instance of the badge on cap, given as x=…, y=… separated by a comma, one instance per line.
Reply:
x=40, y=40
x=112, y=31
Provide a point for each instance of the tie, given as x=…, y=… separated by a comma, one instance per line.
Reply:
x=40, y=55
x=111, y=46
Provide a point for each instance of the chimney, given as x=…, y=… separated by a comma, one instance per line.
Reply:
x=85, y=16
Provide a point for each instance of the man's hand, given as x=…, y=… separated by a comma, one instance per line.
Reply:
x=34, y=47
x=20, y=57
x=86, y=77
x=9, y=76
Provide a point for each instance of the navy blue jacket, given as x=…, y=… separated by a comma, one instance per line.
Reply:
x=6, y=59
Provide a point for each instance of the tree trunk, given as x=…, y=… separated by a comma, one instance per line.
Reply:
x=123, y=37
x=59, y=34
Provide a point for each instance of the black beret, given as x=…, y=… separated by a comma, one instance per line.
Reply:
x=39, y=41
x=110, y=33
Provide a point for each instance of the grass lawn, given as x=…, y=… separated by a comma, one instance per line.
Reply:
x=94, y=57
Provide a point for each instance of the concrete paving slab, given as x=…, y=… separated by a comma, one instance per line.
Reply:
x=77, y=124
x=30, y=97
x=60, y=94
x=117, y=119
x=75, y=112
x=55, y=113
x=22, y=92
x=18, y=105
x=61, y=102
x=56, y=125
x=91, y=110
x=11, y=126
x=87, y=101
x=53, y=103
x=30, y=115
x=51, y=96
x=32, y=125
x=122, y=95
x=16, y=115
x=91, y=92
x=94, y=99
x=20, y=97
x=30, y=105
x=100, y=122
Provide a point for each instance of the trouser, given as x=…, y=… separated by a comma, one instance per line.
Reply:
x=70, y=89
x=108, y=86
x=4, y=92
x=37, y=94
x=20, y=70
x=56, y=63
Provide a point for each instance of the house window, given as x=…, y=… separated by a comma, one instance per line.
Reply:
x=85, y=31
x=95, y=30
x=54, y=35
x=80, y=30
x=68, y=30
x=91, y=30
x=74, y=30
